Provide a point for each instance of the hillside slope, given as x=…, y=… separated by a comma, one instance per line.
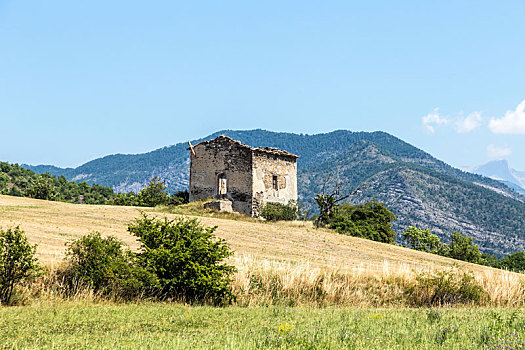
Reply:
x=420, y=189
x=426, y=197
x=52, y=224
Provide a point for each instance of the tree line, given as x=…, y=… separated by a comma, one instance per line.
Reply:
x=461, y=247
x=15, y=180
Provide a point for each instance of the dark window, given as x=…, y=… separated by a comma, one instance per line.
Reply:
x=275, y=183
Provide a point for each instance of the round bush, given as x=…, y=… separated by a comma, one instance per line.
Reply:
x=279, y=211
x=186, y=258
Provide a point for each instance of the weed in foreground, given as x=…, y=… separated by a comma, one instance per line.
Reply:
x=510, y=341
x=433, y=316
x=444, y=333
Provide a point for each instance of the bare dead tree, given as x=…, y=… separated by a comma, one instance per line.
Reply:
x=328, y=201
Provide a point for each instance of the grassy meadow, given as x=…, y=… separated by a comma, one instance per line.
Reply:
x=296, y=287
x=156, y=326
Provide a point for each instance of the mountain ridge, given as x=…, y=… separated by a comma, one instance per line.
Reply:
x=162, y=158
x=419, y=188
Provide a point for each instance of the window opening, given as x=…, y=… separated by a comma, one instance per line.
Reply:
x=275, y=183
x=222, y=186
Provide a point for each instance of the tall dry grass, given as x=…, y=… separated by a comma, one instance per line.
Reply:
x=503, y=287
x=52, y=287
x=261, y=282
x=267, y=282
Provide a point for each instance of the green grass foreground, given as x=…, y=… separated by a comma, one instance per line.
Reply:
x=156, y=326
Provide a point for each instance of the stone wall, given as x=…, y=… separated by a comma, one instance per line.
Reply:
x=254, y=176
x=222, y=156
x=266, y=188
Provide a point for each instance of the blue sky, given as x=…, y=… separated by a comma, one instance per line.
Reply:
x=80, y=80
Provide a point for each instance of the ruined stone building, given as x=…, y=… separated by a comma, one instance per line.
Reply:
x=240, y=177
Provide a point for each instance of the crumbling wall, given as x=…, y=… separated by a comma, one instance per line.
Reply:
x=221, y=156
x=265, y=167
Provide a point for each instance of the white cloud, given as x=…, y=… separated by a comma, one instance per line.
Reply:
x=494, y=151
x=512, y=123
x=469, y=123
x=434, y=119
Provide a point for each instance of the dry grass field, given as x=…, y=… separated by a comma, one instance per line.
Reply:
x=275, y=261
x=52, y=224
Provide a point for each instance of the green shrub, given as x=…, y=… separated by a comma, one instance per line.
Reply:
x=95, y=260
x=186, y=258
x=15, y=191
x=17, y=262
x=102, y=264
x=371, y=220
x=433, y=316
x=154, y=194
x=42, y=188
x=513, y=262
x=423, y=240
x=179, y=198
x=488, y=259
x=463, y=248
x=129, y=199
x=279, y=211
x=446, y=288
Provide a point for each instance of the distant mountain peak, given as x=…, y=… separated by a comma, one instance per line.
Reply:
x=497, y=162
x=500, y=170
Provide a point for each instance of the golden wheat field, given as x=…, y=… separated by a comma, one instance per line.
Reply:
x=291, y=259
x=52, y=224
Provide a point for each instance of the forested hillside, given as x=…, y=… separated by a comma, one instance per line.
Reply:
x=417, y=187
x=426, y=197
x=18, y=181
x=131, y=172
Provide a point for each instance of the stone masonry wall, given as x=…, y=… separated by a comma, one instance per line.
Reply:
x=222, y=156
x=265, y=166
